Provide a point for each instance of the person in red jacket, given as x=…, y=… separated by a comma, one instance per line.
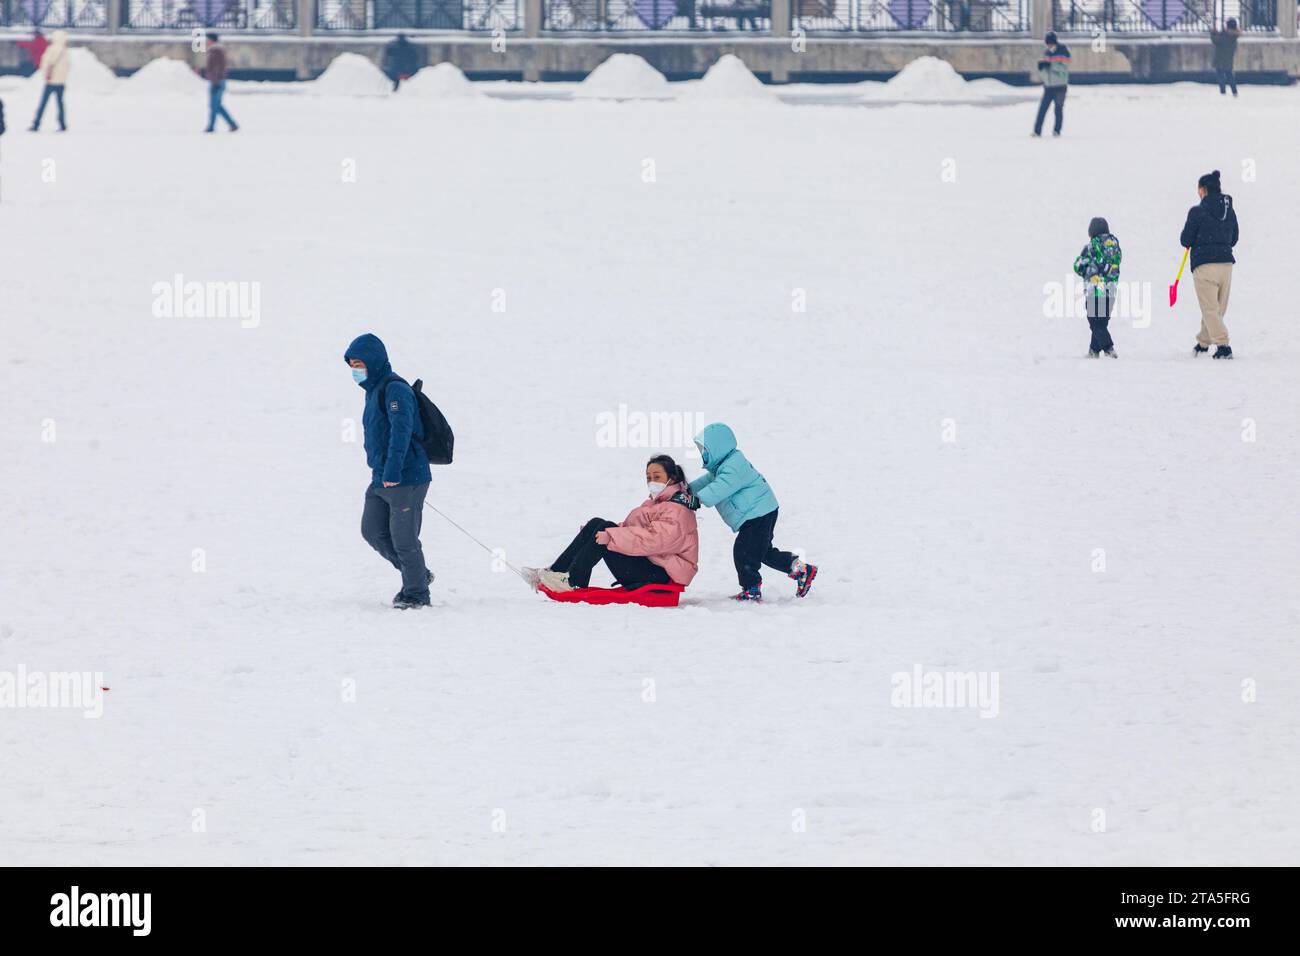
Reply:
x=35, y=48
x=216, y=71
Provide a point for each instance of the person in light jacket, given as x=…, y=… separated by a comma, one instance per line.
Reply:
x=1054, y=68
x=657, y=543
x=55, y=66
x=748, y=505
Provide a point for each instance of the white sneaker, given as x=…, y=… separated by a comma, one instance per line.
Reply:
x=554, y=580
x=533, y=576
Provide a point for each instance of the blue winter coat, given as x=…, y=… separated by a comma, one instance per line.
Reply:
x=730, y=483
x=391, y=451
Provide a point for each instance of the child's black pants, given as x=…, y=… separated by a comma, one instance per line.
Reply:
x=1099, y=307
x=753, y=548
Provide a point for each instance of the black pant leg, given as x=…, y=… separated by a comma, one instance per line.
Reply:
x=753, y=542
x=588, y=554
x=1042, y=109
x=1059, y=101
x=586, y=534
x=631, y=570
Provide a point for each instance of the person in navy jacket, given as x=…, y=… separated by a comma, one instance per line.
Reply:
x=399, y=468
x=1210, y=232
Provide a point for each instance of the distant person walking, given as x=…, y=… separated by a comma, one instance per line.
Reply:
x=35, y=48
x=401, y=59
x=1054, y=69
x=216, y=70
x=55, y=65
x=1211, y=232
x=1225, y=52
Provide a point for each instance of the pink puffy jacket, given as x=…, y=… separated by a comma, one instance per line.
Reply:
x=662, y=531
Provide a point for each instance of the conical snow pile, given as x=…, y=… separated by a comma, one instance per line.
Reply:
x=442, y=81
x=167, y=76
x=730, y=79
x=351, y=74
x=624, y=76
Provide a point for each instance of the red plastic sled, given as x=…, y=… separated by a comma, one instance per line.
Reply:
x=647, y=595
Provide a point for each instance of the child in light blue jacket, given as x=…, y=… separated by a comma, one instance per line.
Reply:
x=746, y=503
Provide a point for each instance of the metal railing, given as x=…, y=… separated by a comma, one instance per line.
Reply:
x=659, y=15
x=1163, y=16
x=472, y=15
x=924, y=16
x=81, y=14
x=243, y=15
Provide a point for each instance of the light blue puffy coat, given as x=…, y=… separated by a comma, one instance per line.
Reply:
x=730, y=483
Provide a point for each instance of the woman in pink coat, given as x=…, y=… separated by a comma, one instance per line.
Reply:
x=655, y=544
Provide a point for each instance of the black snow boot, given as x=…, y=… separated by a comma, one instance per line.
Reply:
x=403, y=601
x=1112, y=353
x=1199, y=350
x=1222, y=352
x=400, y=596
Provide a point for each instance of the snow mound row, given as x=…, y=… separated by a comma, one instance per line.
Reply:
x=351, y=74
x=625, y=76
x=165, y=75
x=443, y=81
x=730, y=79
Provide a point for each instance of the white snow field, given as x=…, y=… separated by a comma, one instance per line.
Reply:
x=182, y=498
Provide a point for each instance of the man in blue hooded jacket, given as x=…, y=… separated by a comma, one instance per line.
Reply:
x=399, y=468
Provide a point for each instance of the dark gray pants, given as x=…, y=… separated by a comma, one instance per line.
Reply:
x=390, y=523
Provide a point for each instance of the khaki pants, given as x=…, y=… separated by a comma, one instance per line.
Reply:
x=1213, y=281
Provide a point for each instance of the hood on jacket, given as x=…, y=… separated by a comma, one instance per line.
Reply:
x=715, y=443
x=1216, y=205
x=369, y=349
x=1098, y=227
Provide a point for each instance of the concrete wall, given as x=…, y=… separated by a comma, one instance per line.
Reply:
x=1158, y=59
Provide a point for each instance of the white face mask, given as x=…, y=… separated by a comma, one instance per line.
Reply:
x=654, y=487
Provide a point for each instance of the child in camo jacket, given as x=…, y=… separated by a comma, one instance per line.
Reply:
x=1098, y=266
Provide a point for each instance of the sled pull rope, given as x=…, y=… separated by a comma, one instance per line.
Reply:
x=475, y=540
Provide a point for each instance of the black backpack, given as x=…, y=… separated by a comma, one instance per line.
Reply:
x=438, y=439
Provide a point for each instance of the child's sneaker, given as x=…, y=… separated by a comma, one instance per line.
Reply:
x=803, y=574
x=1222, y=352
x=554, y=580
x=750, y=594
x=533, y=576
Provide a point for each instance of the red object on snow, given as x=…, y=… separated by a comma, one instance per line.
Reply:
x=647, y=595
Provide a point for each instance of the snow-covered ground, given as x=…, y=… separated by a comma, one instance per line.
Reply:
x=939, y=445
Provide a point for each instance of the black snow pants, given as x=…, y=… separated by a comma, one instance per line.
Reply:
x=753, y=548
x=1052, y=96
x=1099, y=309
x=584, y=553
